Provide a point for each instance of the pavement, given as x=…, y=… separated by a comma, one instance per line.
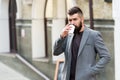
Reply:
x=7, y=73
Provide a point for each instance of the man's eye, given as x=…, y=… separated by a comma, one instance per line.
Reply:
x=75, y=19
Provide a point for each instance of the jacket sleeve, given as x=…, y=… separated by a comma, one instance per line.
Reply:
x=104, y=55
x=59, y=46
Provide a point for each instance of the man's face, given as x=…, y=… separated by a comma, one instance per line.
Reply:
x=76, y=20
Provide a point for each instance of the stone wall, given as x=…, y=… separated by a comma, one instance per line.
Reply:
x=25, y=50
x=108, y=36
x=48, y=67
x=101, y=9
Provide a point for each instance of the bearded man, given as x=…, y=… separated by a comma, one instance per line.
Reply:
x=81, y=49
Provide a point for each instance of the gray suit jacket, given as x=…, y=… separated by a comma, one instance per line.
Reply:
x=86, y=67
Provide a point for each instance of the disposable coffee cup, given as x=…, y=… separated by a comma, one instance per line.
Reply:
x=71, y=29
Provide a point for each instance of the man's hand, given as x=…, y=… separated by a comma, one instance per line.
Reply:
x=65, y=31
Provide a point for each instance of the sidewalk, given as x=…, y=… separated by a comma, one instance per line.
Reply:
x=7, y=73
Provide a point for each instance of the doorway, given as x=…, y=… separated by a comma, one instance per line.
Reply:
x=12, y=25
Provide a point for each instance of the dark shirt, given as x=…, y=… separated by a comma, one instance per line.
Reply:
x=74, y=49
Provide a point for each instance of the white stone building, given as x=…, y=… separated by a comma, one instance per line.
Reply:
x=39, y=22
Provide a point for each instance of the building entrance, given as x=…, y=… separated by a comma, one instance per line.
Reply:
x=7, y=26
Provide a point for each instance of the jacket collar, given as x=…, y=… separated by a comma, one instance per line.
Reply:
x=83, y=40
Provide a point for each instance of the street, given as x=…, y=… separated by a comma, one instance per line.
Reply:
x=6, y=73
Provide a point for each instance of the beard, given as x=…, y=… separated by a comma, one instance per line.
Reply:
x=77, y=29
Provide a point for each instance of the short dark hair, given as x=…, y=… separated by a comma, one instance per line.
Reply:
x=75, y=10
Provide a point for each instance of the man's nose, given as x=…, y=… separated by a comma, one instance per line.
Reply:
x=72, y=22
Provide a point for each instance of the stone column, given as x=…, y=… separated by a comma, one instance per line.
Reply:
x=59, y=11
x=4, y=26
x=38, y=31
x=116, y=17
x=19, y=9
x=71, y=3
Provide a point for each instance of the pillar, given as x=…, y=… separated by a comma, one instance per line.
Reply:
x=71, y=3
x=4, y=27
x=38, y=29
x=59, y=11
x=116, y=17
x=19, y=9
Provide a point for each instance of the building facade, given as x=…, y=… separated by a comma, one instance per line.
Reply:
x=38, y=24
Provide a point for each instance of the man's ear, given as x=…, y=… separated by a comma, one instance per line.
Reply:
x=82, y=19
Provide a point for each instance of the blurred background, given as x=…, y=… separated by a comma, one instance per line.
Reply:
x=29, y=28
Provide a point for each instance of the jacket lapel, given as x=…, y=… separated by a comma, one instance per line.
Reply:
x=83, y=40
x=70, y=41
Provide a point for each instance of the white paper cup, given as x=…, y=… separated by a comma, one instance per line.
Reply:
x=71, y=29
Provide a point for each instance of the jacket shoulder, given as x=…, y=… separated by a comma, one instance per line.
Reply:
x=93, y=32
